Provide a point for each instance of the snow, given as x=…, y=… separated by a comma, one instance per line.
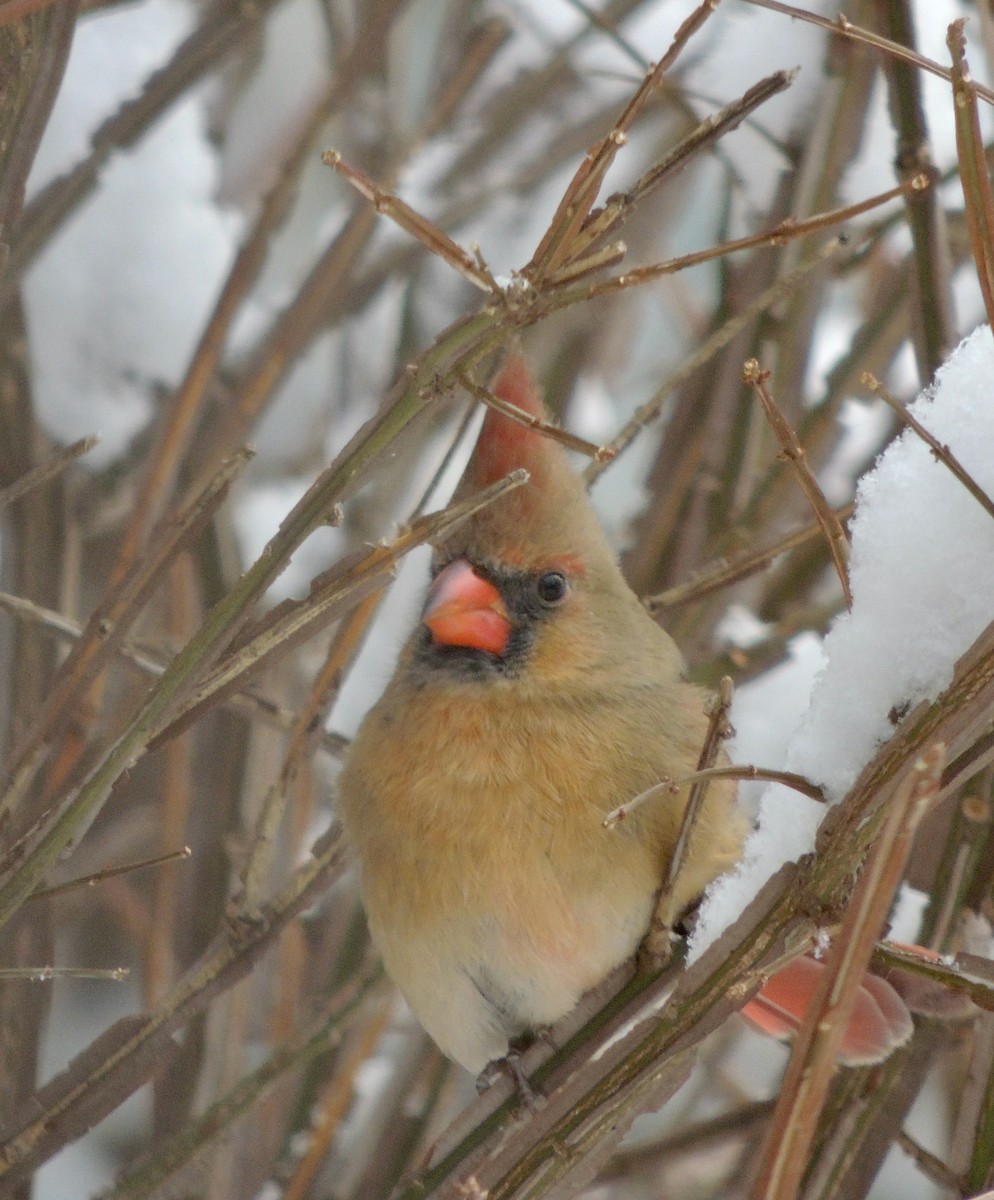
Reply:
x=922, y=577
x=766, y=712
x=907, y=915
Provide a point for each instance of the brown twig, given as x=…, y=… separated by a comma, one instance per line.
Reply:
x=690, y=1140
x=610, y=27
x=412, y=222
x=310, y=720
x=43, y=974
x=749, y=774
x=793, y=451
x=186, y=405
x=967, y=974
x=128, y=1052
x=154, y=663
x=785, y=230
x=655, y=950
x=743, y=774
x=88, y=881
x=47, y=470
x=587, y=252
x=723, y=574
x=110, y=621
x=317, y=1037
x=814, y=1059
x=35, y=56
x=961, y=868
x=332, y=1106
x=935, y=322
x=972, y=1137
x=570, y=440
x=977, y=197
x=710, y=347
x=843, y=27
x=930, y=1165
x=559, y=242
x=293, y=622
x=940, y=452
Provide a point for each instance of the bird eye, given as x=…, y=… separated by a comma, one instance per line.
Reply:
x=552, y=587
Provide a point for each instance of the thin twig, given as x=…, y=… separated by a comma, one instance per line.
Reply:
x=725, y=572
x=749, y=774
x=177, y=427
x=935, y=322
x=654, y=952
x=814, y=1060
x=843, y=27
x=88, y=881
x=570, y=440
x=930, y=1165
x=793, y=451
x=332, y=1107
x=745, y=774
x=315, y=1038
x=968, y=974
x=35, y=57
x=293, y=622
x=110, y=621
x=485, y=41
x=600, y=22
x=412, y=222
x=43, y=974
x=961, y=864
x=710, y=347
x=978, y=201
x=46, y=470
x=717, y=1132
x=583, y=255
x=310, y=720
x=329, y=290
x=940, y=452
x=286, y=338
x=973, y=1134
x=154, y=663
x=560, y=240
x=447, y=459
x=122, y=1063
x=784, y=231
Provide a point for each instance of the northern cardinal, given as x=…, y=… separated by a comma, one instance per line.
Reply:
x=535, y=696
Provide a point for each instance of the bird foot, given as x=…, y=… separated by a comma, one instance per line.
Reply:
x=656, y=950
x=510, y=1065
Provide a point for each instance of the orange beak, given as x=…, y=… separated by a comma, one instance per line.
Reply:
x=464, y=610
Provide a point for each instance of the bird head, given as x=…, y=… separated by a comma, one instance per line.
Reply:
x=531, y=579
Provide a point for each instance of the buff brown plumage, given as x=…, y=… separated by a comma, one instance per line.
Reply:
x=475, y=793
x=535, y=696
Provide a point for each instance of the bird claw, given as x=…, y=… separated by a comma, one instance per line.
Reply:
x=656, y=949
x=510, y=1065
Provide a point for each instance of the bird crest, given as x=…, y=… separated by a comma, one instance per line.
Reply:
x=547, y=521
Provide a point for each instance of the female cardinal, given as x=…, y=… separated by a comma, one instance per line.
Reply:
x=535, y=696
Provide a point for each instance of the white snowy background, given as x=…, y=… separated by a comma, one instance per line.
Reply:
x=116, y=301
